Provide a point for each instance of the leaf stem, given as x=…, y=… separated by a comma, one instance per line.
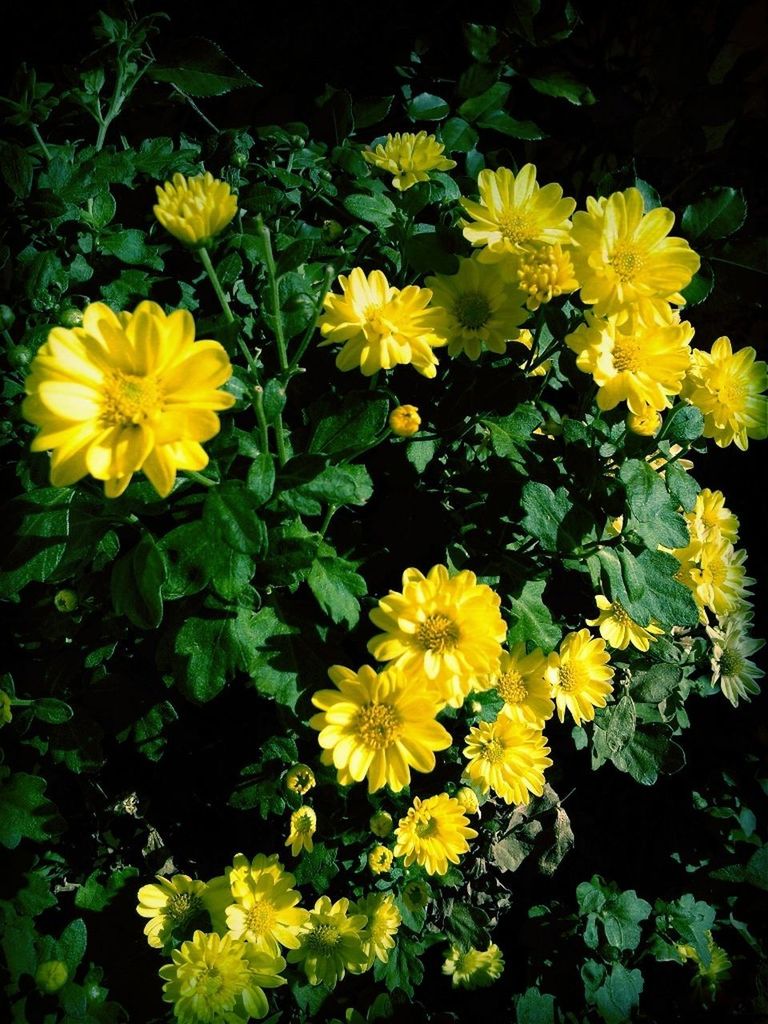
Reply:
x=331, y=511
x=282, y=354
x=204, y=480
x=39, y=140
x=205, y=259
x=114, y=106
x=258, y=405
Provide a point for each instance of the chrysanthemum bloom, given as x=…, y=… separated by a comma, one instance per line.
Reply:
x=710, y=519
x=520, y=683
x=126, y=392
x=377, y=726
x=732, y=669
x=381, y=326
x=474, y=968
x=171, y=905
x=623, y=255
x=409, y=158
x=303, y=827
x=330, y=943
x=215, y=979
x=727, y=387
x=715, y=573
x=446, y=628
x=645, y=424
x=195, y=210
x=542, y=273
x=383, y=921
x=244, y=875
x=477, y=309
x=580, y=676
x=299, y=779
x=708, y=977
x=381, y=824
x=515, y=213
x=467, y=799
x=507, y=757
x=433, y=832
x=265, y=913
x=405, y=420
x=380, y=860
x=619, y=630
x=633, y=359
x=416, y=895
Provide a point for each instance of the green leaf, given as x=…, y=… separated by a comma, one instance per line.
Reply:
x=367, y=112
x=52, y=711
x=273, y=661
x=349, y=426
x=376, y=210
x=685, y=423
x=511, y=433
x=618, y=723
x=95, y=895
x=649, y=753
x=552, y=518
x=499, y=121
x=534, y=1007
x=200, y=68
x=103, y=209
x=693, y=920
x=186, y=551
x=317, y=868
x=682, y=487
x=427, y=253
x=17, y=168
x=136, y=584
x=19, y=948
x=129, y=245
x=656, y=683
x=491, y=100
x=41, y=541
x=403, y=970
x=716, y=215
x=533, y=623
x=481, y=40
x=426, y=107
x=44, y=279
x=466, y=925
x=261, y=479
x=25, y=813
x=651, y=200
x=619, y=997
x=336, y=485
x=654, y=513
x=229, y=513
x=562, y=84
x=72, y=944
x=337, y=588
x=457, y=136
x=664, y=599
x=212, y=645
x=420, y=453
x=701, y=284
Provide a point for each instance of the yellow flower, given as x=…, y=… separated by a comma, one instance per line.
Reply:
x=508, y=757
x=710, y=519
x=474, y=968
x=405, y=420
x=381, y=824
x=377, y=726
x=303, y=827
x=541, y=274
x=619, y=630
x=580, y=676
x=299, y=779
x=623, y=255
x=708, y=977
x=51, y=975
x=330, y=943
x=381, y=326
x=126, y=392
x=416, y=895
x=265, y=911
x=171, y=906
x=243, y=875
x=409, y=157
x=468, y=801
x=731, y=649
x=646, y=423
x=433, y=832
x=380, y=860
x=216, y=979
x=525, y=338
x=6, y=715
x=194, y=210
x=477, y=309
x=633, y=359
x=727, y=387
x=515, y=213
x=448, y=629
x=716, y=575
x=383, y=921
x=520, y=683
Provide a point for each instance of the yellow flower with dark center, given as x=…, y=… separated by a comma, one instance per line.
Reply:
x=520, y=683
x=383, y=921
x=171, y=906
x=633, y=359
x=580, y=676
x=216, y=979
x=619, y=630
x=477, y=309
x=409, y=158
x=196, y=209
x=448, y=629
x=646, y=423
x=718, y=576
x=331, y=943
x=710, y=519
x=732, y=669
x=381, y=326
x=265, y=912
x=468, y=800
x=299, y=779
x=126, y=392
x=474, y=968
x=381, y=824
x=380, y=860
x=515, y=213
x=303, y=827
x=623, y=255
x=433, y=833
x=405, y=420
x=416, y=895
x=727, y=387
x=507, y=757
x=377, y=726
x=542, y=274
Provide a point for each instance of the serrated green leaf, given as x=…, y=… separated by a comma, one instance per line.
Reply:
x=337, y=587
x=130, y=246
x=682, y=487
x=553, y=519
x=376, y=210
x=201, y=68
x=619, y=996
x=25, y=812
x=136, y=584
x=229, y=513
x=350, y=426
x=533, y=623
x=534, y=1007
x=656, y=683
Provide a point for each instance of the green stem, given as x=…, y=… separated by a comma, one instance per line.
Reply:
x=114, y=106
x=204, y=480
x=258, y=405
x=39, y=140
x=280, y=440
x=205, y=259
x=282, y=354
x=332, y=510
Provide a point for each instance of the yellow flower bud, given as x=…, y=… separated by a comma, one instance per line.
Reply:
x=66, y=601
x=194, y=210
x=468, y=799
x=646, y=424
x=404, y=420
x=381, y=824
x=299, y=779
x=380, y=860
x=51, y=976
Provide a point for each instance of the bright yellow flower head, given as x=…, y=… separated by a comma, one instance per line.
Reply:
x=377, y=726
x=381, y=824
x=447, y=628
x=623, y=255
x=619, y=630
x=520, y=683
x=515, y=213
x=474, y=968
x=433, y=832
x=717, y=575
x=265, y=912
x=195, y=210
x=507, y=757
x=299, y=779
x=126, y=392
x=409, y=157
x=380, y=860
x=381, y=326
x=632, y=359
x=477, y=309
x=710, y=519
x=580, y=676
x=646, y=423
x=331, y=943
x=467, y=799
x=171, y=906
x=732, y=669
x=243, y=876
x=214, y=979
x=405, y=420
x=541, y=274
x=383, y=921
x=303, y=827
x=727, y=387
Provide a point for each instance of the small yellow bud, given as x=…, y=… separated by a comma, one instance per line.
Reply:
x=51, y=976
x=66, y=601
x=468, y=799
x=646, y=424
x=380, y=860
x=299, y=779
x=381, y=824
x=5, y=710
x=475, y=707
x=404, y=420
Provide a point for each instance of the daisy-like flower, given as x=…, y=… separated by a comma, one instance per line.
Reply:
x=405, y=420
x=618, y=629
x=542, y=274
x=409, y=158
x=126, y=392
x=383, y=921
x=507, y=757
x=331, y=943
x=265, y=912
x=467, y=799
x=515, y=213
x=433, y=832
x=195, y=210
x=717, y=575
x=381, y=326
x=380, y=860
x=243, y=876
x=520, y=683
x=448, y=629
x=474, y=968
x=580, y=676
x=215, y=979
x=708, y=977
x=477, y=309
x=377, y=726
x=732, y=669
x=299, y=779
x=623, y=255
x=710, y=519
x=646, y=423
x=303, y=827
x=727, y=387
x=633, y=359
x=171, y=906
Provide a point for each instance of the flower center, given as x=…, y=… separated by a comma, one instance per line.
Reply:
x=323, y=939
x=130, y=399
x=426, y=827
x=437, y=633
x=731, y=663
x=472, y=310
x=493, y=751
x=301, y=780
x=182, y=907
x=626, y=354
x=511, y=688
x=515, y=227
x=619, y=612
x=378, y=725
x=732, y=393
x=626, y=261
x=303, y=823
x=566, y=678
x=260, y=918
